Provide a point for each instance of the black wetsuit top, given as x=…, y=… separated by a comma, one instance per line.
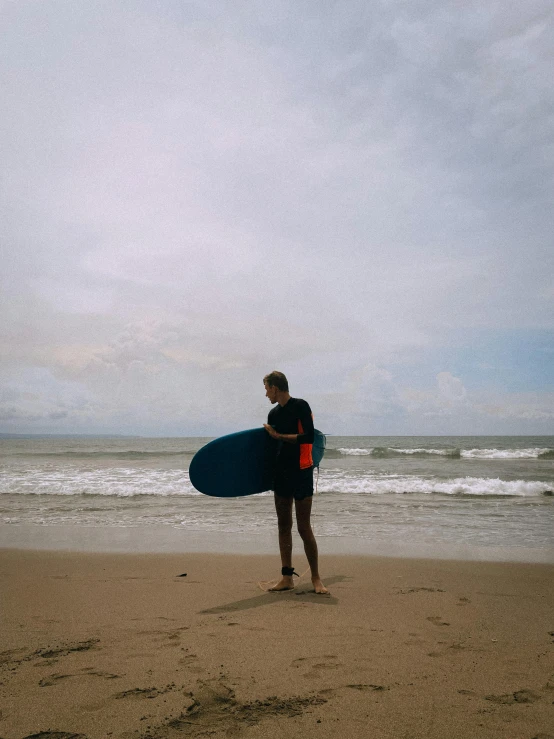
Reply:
x=295, y=417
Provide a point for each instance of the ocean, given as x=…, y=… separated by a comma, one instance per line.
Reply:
x=483, y=497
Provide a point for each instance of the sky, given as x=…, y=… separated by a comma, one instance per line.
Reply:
x=359, y=194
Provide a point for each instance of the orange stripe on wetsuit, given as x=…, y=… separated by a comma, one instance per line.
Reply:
x=306, y=459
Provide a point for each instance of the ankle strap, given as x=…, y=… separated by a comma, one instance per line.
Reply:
x=289, y=572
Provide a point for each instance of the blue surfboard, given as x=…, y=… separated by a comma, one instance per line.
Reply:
x=241, y=464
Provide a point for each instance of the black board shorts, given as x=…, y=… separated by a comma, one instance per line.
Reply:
x=297, y=484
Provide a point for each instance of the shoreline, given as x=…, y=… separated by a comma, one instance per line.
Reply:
x=120, y=645
x=169, y=540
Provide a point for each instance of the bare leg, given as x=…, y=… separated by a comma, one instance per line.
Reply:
x=283, y=506
x=303, y=512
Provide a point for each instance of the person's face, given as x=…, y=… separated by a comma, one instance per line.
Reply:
x=271, y=392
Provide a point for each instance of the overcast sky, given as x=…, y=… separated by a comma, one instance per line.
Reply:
x=357, y=193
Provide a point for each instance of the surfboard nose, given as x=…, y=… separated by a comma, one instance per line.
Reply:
x=235, y=465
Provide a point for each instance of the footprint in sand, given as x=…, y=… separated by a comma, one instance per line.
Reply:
x=437, y=621
x=137, y=693
x=152, y=692
x=13, y=655
x=190, y=661
x=317, y=667
x=167, y=638
x=13, y=658
x=415, y=639
x=520, y=696
x=296, y=662
x=368, y=687
x=214, y=708
x=99, y=673
x=326, y=666
x=52, y=680
x=66, y=649
x=55, y=735
x=455, y=647
x=55, y=678
x=405, y=591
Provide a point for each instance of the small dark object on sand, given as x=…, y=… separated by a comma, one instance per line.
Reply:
x=183, y=575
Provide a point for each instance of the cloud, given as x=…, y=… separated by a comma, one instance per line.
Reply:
x=521, y=407
x=468, y=409
x=193, y=195
x=448, y=397
x=450, y=389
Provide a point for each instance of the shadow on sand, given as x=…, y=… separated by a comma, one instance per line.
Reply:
x=301, y=594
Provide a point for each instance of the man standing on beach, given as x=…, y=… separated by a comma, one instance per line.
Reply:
x=291, y=422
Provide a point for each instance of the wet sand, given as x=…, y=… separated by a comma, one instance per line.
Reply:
x=118, y=645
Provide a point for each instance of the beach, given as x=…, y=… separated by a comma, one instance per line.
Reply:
x=126, y=645
x=133, y=607
x=243, y=243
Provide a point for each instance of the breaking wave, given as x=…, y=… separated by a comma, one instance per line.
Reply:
x=404, y=485
x=120, y=483
x=391, y=452
x=130, y=483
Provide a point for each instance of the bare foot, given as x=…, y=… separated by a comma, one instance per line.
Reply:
x=319, y=587
x=285, y=583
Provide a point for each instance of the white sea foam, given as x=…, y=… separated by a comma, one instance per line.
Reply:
x=394, y=452
x=384, y=452
x=534, y=453
x=130, y=482
x=120, y=482
x=401, y=484
x=439, y=452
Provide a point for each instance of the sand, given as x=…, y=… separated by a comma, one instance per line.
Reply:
x=114, y=645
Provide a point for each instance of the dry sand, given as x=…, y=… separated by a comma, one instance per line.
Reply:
x=101, y=645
